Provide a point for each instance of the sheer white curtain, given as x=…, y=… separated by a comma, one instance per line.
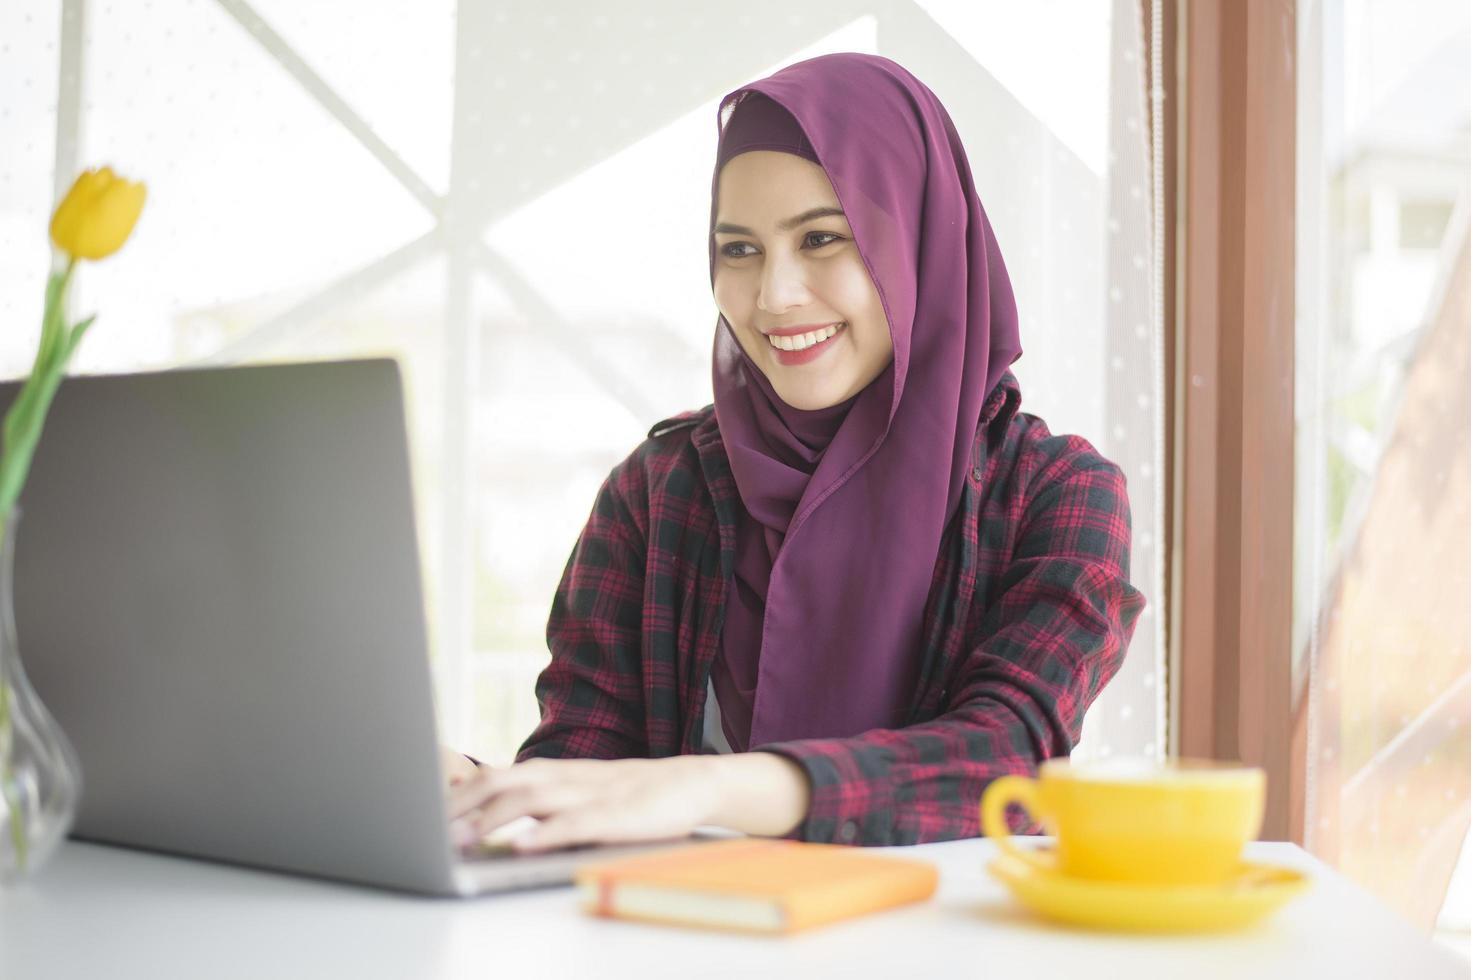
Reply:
x=512, y=200
x=1383, y=505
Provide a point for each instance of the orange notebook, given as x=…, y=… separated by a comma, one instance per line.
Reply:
x=753, y=885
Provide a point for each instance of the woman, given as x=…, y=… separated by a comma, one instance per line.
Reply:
x=838, y=602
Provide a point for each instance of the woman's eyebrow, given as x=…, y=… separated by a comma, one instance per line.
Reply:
x=787, y=225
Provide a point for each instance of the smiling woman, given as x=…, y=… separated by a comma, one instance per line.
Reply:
x=860, y=586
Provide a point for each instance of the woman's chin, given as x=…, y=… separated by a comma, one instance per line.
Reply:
x=808, y=399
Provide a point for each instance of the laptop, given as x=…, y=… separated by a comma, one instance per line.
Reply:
x=217, y=594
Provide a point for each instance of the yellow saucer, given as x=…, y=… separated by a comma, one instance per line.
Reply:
x=1256, y=891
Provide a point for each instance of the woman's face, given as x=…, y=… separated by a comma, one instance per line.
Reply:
x=790, y=281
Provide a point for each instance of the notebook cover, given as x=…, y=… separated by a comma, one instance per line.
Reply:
x=810, y=884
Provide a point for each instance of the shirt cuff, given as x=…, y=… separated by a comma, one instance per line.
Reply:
x=842, y=808
x=849, y=806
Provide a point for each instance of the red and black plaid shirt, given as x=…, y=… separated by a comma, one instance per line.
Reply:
x=1029, y=615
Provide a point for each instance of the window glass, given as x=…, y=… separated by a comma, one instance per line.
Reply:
x=1383, y=511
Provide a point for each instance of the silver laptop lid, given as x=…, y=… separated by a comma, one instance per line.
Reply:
x=217, y=595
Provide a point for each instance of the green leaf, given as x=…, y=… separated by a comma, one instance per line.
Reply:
x=76, y=338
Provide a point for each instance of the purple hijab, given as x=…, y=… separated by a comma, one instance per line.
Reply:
x=844, y=507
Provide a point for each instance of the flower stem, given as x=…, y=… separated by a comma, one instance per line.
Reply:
x=24, y=420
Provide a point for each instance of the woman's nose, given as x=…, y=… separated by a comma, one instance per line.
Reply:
x=783, y=285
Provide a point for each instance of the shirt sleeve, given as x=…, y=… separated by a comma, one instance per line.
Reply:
x=591, y=694
x=1055, y=633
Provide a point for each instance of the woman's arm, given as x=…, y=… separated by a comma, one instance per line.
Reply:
x=757, y=793
x=1054, y=635
x=591, y=694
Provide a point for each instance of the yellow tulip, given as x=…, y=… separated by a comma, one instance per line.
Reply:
x=97, y=215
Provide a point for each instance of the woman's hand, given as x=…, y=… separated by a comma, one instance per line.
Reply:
x=583, y=801
x=455, y=766
x=586, y=801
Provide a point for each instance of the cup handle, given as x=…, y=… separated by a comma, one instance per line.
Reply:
x=1003, y=791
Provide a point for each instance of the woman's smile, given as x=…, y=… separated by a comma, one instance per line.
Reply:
x=804, y=348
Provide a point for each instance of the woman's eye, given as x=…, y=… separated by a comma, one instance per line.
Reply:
x=733, y=250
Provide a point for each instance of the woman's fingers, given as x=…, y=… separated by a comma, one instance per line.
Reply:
x=494, y=798
x=538, y=801
x=562, y=830
x=455, y=766
x=592, y=824
x=471, y=792
x=487, y=782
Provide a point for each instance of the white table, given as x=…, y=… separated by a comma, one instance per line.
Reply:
x=99, y=911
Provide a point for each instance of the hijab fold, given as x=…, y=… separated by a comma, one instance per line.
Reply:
x=844, y=507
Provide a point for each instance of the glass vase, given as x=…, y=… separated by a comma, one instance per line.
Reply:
x=40, y=777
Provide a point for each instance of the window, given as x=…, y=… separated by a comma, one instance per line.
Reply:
x=1383, y=512
x=512, y=201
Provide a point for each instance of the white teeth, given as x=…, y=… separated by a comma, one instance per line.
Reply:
x=803, y=341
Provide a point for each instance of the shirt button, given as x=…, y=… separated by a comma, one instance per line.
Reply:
x=849, y=831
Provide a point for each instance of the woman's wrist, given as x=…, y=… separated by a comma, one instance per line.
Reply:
x=758, y=793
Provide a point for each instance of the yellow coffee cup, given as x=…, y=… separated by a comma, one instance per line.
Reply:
x=1183, y=821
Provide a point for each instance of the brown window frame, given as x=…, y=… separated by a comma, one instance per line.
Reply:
x=1230, y=116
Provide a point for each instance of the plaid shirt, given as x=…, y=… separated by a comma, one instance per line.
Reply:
x=1029, y=614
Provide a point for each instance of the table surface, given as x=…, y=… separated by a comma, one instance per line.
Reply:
x=99, y=911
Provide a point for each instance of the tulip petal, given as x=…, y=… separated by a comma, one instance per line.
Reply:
x=97, y=215
x=71, y=212
x=110, y=221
